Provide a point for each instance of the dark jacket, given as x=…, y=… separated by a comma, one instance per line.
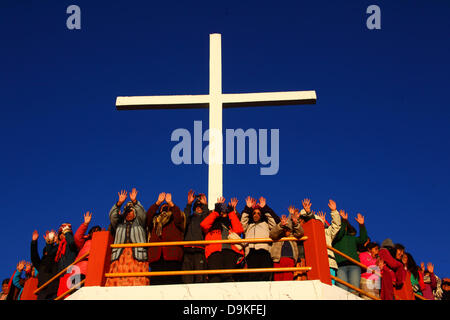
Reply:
x=70, y=254
x=172, y=231
x=47, y=268
x=193, y=230
x=348, y=244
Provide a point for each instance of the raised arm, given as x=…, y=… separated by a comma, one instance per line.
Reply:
x=35, y=259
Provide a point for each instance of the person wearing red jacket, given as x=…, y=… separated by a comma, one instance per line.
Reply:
x=393, y=273
x=83, y=242
x=217, y=226
x=165, y=222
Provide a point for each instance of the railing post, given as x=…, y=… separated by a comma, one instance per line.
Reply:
x=316, y=253
x=99, y=258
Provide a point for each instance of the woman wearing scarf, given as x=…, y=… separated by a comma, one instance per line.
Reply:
x=165, y=222
x=218, y=225
x=65, y=255
x=128, y=227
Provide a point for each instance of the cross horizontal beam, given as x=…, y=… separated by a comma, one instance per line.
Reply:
x=232, y=100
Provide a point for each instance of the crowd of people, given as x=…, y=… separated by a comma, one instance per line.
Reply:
x=390, y=272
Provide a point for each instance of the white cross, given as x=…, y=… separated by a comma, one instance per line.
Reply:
x=216, y=100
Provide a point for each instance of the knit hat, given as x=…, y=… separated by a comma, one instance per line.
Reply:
x=387, y=243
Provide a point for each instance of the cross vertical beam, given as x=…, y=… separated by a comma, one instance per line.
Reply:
x=215, y=174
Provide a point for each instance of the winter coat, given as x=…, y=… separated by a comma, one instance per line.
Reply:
x=393, y=272
x=70, y=253
x=348, y=244
x=277, y=232
x=220, y=234
x=47, y=268
x=173, y=230
x=429, y=286
x=330, y=232
x=193, y=230
x=260, y=229
x=405, y=292
x=137, y=231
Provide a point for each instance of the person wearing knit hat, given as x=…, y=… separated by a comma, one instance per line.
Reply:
x=257, y=222
x=393, y=270
x=194, y=256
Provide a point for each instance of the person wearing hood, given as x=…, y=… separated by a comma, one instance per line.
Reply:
x=128, y=227
x=393, y=273
x=194, y=256
x=165, y=222
x=218, y=225
x=347, y=242
x=46, y=266
x=257, y=220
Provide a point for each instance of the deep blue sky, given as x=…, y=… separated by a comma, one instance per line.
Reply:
x=377, y=141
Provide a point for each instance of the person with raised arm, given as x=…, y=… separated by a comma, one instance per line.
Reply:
x=194, y=256
x=46, y=266
x=257, y=220
x=347, y=242
x=165, y=222
x=285, y=253
x=220, y=224
x=128, y=226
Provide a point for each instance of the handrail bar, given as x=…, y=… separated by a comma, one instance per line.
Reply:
x=60, y=273
x=206, y=271
x=203, y=242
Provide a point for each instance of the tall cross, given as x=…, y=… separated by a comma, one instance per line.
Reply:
x=216, y=100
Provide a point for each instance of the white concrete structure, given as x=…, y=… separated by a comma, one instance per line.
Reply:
x=216, y=100
x=269, y=290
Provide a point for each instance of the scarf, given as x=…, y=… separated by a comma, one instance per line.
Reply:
x=61, y=249
x=160, y=221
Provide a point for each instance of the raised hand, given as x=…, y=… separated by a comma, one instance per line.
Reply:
x=27, y=267
x=291, y=210
x=169, y=199
x=191, y=196
x=87, y=217
x=20, y=266
x=122, y=197
x=262, y=202
x=430, y=267
x=332, y=205
x=306, y=203
x=322, y=216
x=161, y=198
x=422, y=266
x=220, y=200
x=35, y=235
x=359, y=218
x=284, y=220
x=203, y=199
x=249, y=201
x=133, y=195
x=295, y=216
x=343, y=214
x=233, y=203
x=50, y=236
